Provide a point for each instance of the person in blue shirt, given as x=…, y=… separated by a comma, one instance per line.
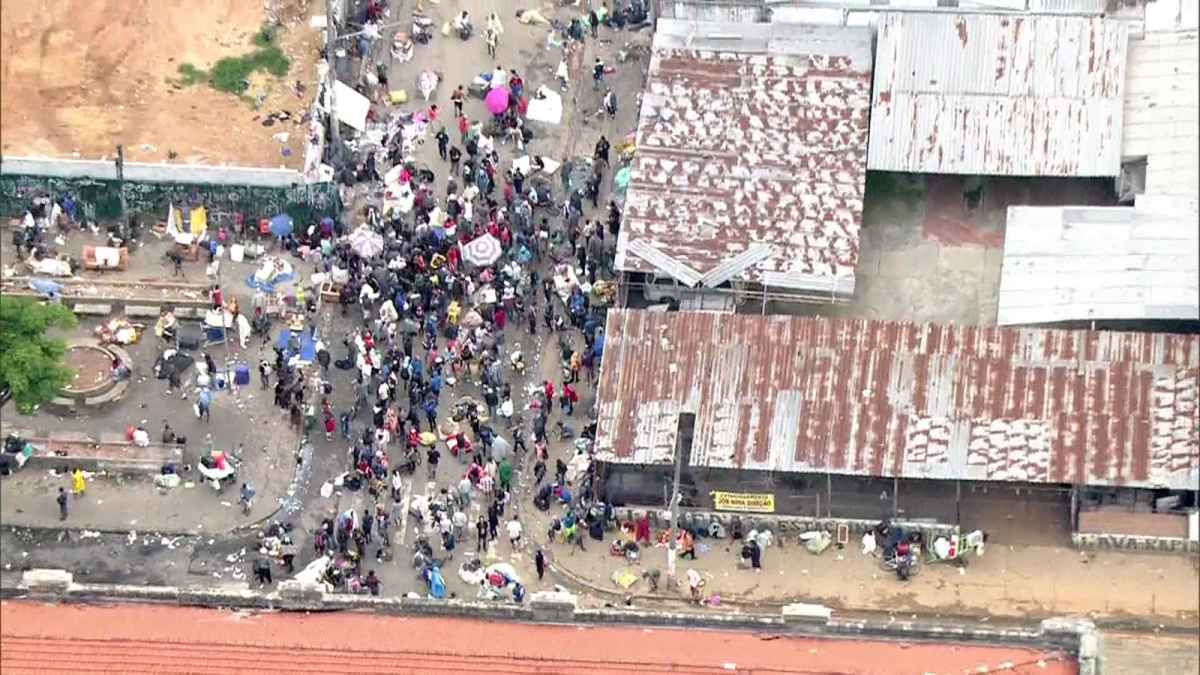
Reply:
x=203, y=402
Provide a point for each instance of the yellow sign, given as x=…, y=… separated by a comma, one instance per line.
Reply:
x=744, y=501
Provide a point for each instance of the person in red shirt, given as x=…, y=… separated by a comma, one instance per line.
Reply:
x=569, y=399
x=463, y=125
x=548, y=389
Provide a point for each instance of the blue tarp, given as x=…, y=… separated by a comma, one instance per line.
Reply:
x=269, y=286
x=308, y=344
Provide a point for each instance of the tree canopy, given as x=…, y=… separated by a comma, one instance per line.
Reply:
x=31, y=363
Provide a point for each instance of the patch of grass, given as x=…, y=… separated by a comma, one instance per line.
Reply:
x=232, y=74
x=265, y=37
x=189, y=75
x=272, y=60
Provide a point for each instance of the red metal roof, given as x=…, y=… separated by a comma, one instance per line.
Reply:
x=910, y=400
x=41, y=638
x=756, y=140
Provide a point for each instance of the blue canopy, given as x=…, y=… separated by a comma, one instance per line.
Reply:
x=281, y=225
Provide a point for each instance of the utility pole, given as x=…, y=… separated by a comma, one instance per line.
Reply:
x=673, y=507
x=330, y=60
x=121, y=192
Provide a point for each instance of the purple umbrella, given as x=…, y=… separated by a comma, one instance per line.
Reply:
x=497, y=100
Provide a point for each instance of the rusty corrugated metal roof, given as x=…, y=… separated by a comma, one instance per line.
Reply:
x=998, y=94
x=753, y=136
x=884, y=398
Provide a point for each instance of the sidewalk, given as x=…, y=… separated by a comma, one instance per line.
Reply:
x=1008, y=581
x=123, y=503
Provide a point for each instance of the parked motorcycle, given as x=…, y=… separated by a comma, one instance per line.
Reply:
x=905, y=565
x=422, y=29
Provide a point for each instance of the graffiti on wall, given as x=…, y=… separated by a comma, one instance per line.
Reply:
x=1131, y=542
x=100, y=199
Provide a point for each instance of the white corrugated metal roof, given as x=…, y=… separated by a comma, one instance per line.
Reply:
x=1171, y=15
x=998, y=94
x=1082, y=263
x=1162, y=110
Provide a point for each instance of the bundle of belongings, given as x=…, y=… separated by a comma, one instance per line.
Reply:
x=17, y=451
x=171, y=362
x=55, y=266
x=119, y=331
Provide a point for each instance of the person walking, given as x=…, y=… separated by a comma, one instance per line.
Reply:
x=539, y=561
x=431, y=461
x=443, y=142
x=203, y=405
x=78, y=483
x=597, y=74
x=493, y=520
x=514, y=532
x=262, y=571
x=481, y=534
x=288, y=553
x=62, y=503
x=457, y=98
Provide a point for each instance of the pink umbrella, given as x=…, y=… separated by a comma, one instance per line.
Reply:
x=497, y=100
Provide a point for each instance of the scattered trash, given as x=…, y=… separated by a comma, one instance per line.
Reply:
x=89, y=534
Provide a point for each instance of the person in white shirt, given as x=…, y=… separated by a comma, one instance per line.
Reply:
x=514, y=531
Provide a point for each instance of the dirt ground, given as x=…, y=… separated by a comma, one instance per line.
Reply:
x=78, y=77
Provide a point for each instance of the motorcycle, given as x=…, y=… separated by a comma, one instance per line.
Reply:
x=402, y=48
x=905, y=565
x=422, y=29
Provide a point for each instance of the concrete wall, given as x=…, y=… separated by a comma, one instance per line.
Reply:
x=154, y=172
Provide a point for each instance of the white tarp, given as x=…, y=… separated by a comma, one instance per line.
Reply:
x=525, y=164
x=352, y=106
x=545, y=106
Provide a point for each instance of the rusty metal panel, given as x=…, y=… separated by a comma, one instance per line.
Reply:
x=752, y=137
x=878, y=398
x=997, y=94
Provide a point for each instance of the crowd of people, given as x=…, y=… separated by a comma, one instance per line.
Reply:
x=433, y=358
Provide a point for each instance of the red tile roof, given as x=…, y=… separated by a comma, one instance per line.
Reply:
x=885, y=398
x=41, y=638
